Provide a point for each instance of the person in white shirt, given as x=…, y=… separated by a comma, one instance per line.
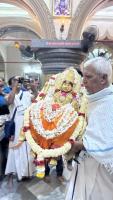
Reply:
x=19, y=159
x=92, y=178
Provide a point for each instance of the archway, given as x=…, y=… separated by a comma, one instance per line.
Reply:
x=83, y=11
x=16, y=27
x=39, y=11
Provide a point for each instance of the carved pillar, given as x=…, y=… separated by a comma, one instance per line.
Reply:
x=56, y=60
x=57, y=55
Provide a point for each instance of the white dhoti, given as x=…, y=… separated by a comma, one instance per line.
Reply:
x=95, y=171
x=93, y=182
x=19, y=160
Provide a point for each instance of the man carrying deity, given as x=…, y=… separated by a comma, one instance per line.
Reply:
x=92, y=178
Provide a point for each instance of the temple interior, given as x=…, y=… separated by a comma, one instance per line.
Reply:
x=23, y=21
x=39, y=38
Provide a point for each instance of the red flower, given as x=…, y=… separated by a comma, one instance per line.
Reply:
x=81, y=114
x=74, y=94
x=34, y=101
x=55, y=106
x=39, y=163
x=26, y=128
x=42, y=94
x=71, y=141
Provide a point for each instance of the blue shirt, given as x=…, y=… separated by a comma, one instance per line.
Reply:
x=7, y=90
x=2, y=100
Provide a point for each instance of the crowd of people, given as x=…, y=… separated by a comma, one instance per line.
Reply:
x=17, y=95
x=92, y=173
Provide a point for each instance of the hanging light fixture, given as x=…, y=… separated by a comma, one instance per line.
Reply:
x=17, y=44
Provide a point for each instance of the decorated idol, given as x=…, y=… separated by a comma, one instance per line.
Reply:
x=56, y=118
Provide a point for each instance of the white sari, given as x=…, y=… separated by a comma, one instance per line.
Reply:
x=19, y=160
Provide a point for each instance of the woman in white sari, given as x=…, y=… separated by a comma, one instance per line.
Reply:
x=19, y=159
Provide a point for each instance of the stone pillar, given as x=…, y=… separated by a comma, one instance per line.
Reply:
x=55, y=60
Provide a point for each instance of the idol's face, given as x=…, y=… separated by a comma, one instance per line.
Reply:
x=67, y=86
x=93, y=81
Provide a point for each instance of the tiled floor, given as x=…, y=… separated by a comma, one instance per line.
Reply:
x=35, y=189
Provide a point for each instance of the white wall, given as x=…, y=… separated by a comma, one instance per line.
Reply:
x=49, y=4
x=18, y=68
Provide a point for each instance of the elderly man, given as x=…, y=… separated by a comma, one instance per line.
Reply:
x=93, y=178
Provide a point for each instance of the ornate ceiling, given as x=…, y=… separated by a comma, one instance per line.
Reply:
x=34, y=19
x=36, y=16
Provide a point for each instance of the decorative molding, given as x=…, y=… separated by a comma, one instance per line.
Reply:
x=15, y=28
x=84, y=9
x=106, y=35
x=16, y=23
x=40, y=11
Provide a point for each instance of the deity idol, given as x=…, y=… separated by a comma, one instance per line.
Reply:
x=56, y=118
x=62, y=7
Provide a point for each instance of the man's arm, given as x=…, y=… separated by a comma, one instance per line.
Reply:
x=10, y=97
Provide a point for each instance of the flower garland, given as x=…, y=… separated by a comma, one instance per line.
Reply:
x=66, y=120
x=46, y=153
x=47, y=119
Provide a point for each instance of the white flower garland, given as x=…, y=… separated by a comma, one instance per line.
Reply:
x=69, y=116
x=46, y=153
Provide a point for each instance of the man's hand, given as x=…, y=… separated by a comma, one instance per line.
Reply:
x=15, y=83
x=77, y=146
